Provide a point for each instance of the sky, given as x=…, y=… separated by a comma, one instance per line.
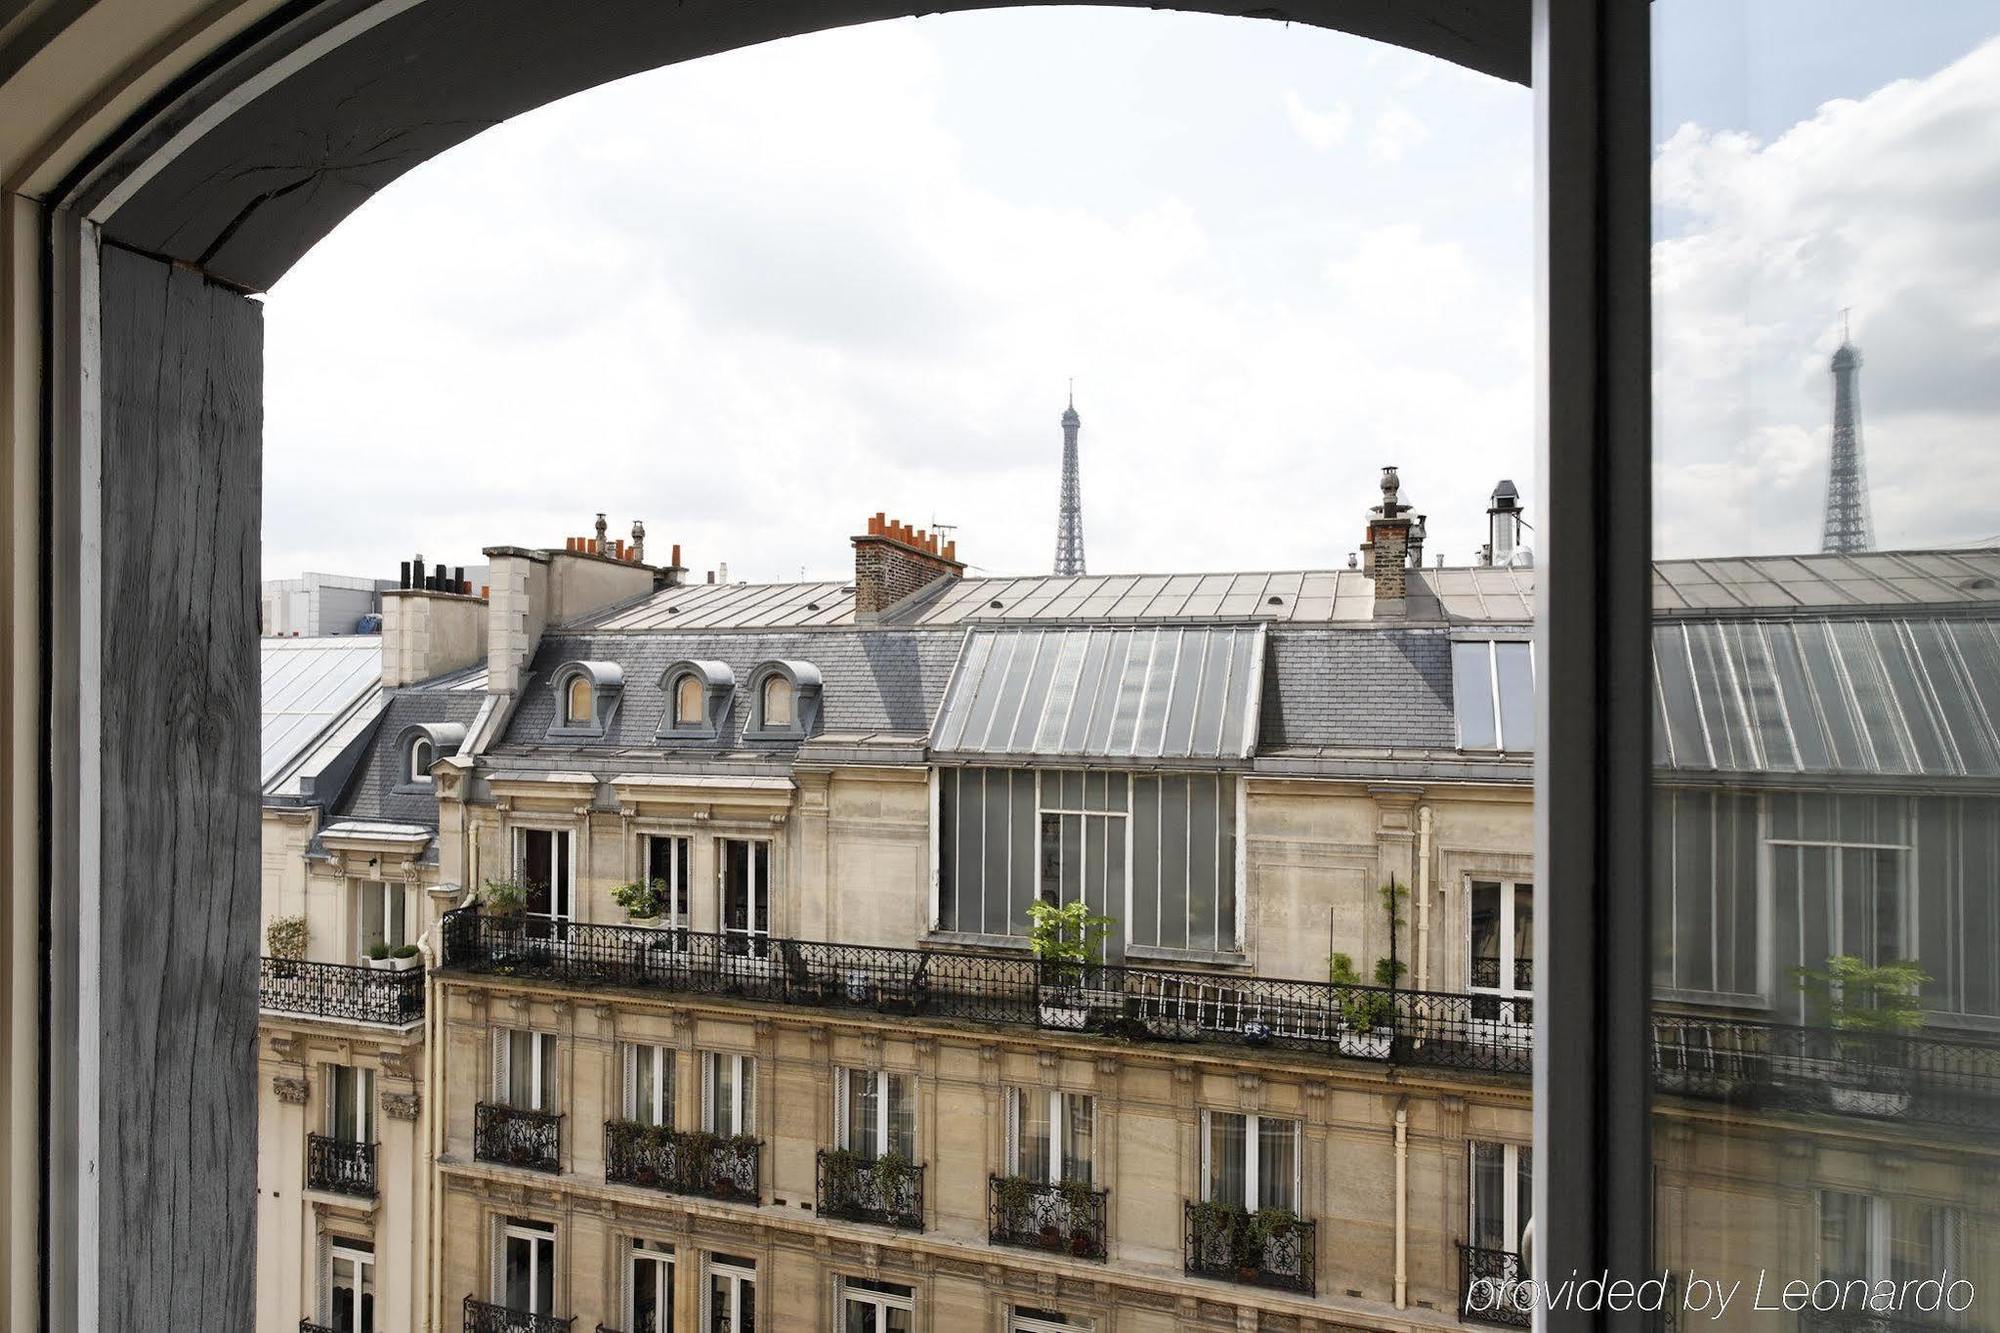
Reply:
x=756, y=298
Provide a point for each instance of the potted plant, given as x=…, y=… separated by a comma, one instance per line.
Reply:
x=1065, y=940
x=1016, y=1197
x=1869, y=1010
x=1367, y=1017
x=404, y=957
x=1078, y=1202
x=644, y=902
x=890, y=1171
x=504, y=899
x=376, y=956
x=1267, y=1227
x=843, y=1178
x=286, y=938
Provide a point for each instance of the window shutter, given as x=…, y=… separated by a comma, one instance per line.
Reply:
x=747, y=1124
x=708, y=1121
x=840, y=1095
x=1013, y=1148
x=1206, y=1167
x=633, y=1111
x=502, y=1052
x=497, y=1291
x=323, y=1306
x=364, y=1110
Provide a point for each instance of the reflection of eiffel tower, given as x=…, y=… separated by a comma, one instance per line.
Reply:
x=1846, y=527
x=1069, y=521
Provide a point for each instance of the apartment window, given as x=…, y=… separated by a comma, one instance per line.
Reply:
x=868, y=1306
x=526, y=1279
x=1493, y=694
x=1838, y=882
x=1705, y=893
x=524, y=1069
x=648, y=1084
x=746, y=896
x=349, y=1284
x=1251, y=1161
x=1157, y=852
x=578, y=711
x=1502, y=936
x=875, y=1113
x=777, y=703
x=731, y=1295
x=542, y=864
x=1051, y=1135
x=1869, y=1239
x=381, y=908
x=728, y=1093
x=649, y=1287
x=422, y=755
x=690, y=701
x=1502, y=1194
x=350, y=1104
x=666, y=863
x=1028, y=1319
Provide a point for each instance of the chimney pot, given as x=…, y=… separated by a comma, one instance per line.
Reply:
x=677, y=555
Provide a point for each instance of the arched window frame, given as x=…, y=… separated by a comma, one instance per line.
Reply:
x=717, y=684
x=804, y=680
x=400, y=759
x=422, y=752
x=605, y=682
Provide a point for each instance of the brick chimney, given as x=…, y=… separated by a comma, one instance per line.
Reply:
x=893, y=560
x=1386, y=553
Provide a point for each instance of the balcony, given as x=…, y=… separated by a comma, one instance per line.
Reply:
x=1272, y=1247
x=340, y=1167
x=683, y=1161
x=1491, y=1288
x=528, y=1139
x=1921, y=1078
x=1486, y=974
x=1066, y=1219
x=308, y=1326
x=484, y=1317
x=337, y=991
x=888, y=1191
x=1132, y=1003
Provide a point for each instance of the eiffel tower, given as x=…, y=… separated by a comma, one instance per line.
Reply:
x=1069, y=519
x=1846, y=527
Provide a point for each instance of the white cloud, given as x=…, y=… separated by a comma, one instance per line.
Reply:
x=1397, y=131
x=1320, y=130
x=1889, y=204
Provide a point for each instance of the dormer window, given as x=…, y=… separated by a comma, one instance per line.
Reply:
x=786, y=701
x=422, y=755
x=778, y=711
x=697, y=701
x=586, y=695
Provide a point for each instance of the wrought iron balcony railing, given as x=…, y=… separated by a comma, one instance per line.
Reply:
x=1492, y=1287
x=335, y=990
x=1068, y=1218
x=1866, y=1321
x=1271, y=1247
x=530, y=1139
x=683, y=1161
x=1486, y=974
x=886, y=1190
x=340, y=1167
x=486, y=1317
x=1919, y=1077
x=308, y=1326
x=1409, y=1027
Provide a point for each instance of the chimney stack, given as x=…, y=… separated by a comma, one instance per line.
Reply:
x=1503, y=527
x=893, y=560
x=1386, y=553
x=638, y=541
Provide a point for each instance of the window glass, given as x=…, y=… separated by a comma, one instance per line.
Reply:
x=1472, y=696
x=579, y=701
x=778, y=701
x=422, y=755
x=689, y=703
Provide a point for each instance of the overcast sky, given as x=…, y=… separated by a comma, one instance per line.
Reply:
x=755, y=298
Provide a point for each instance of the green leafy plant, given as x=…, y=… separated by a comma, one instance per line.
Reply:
x=403, y=951
x=1016, y=1197
x=843, y=1175
x=286, y=937
x=642, y=900
x=1077, y=1197
x=378, y=952
x=1389, y=971
x=1068, y=936
x=504, y=897
x=1849, y=995
x=1363, y=1010
x=890, y=1170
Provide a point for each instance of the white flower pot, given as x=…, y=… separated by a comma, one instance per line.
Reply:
x=1370, y=1045
x=404, y=964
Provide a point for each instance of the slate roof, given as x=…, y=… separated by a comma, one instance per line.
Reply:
x=377, y=790
x=1381, y=691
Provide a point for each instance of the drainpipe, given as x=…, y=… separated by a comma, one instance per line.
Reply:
x=1423, y=968
x=1402, y=1202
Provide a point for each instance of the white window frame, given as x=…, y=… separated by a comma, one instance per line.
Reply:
x=570, y=716
x=738, y=1278
x=1252, y=1158
x=1510, y=1192
x=542, y=1054
x=1022, y=1323
x=562, y=845
x=1500, y=738
x=882, y=1301
x=529, y=1233
x=344, y=1247
x=1881, y=1231
x=885, y=1083
x=1058, y=1110
x=1834, y=888
x=395, y=900
x=660, y=1256
x=421, y=771
x=740, y=1115
x=361, y=1090
x=665, y=1082
x=1511, y=892
x=680, y=889
x=756, y=887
